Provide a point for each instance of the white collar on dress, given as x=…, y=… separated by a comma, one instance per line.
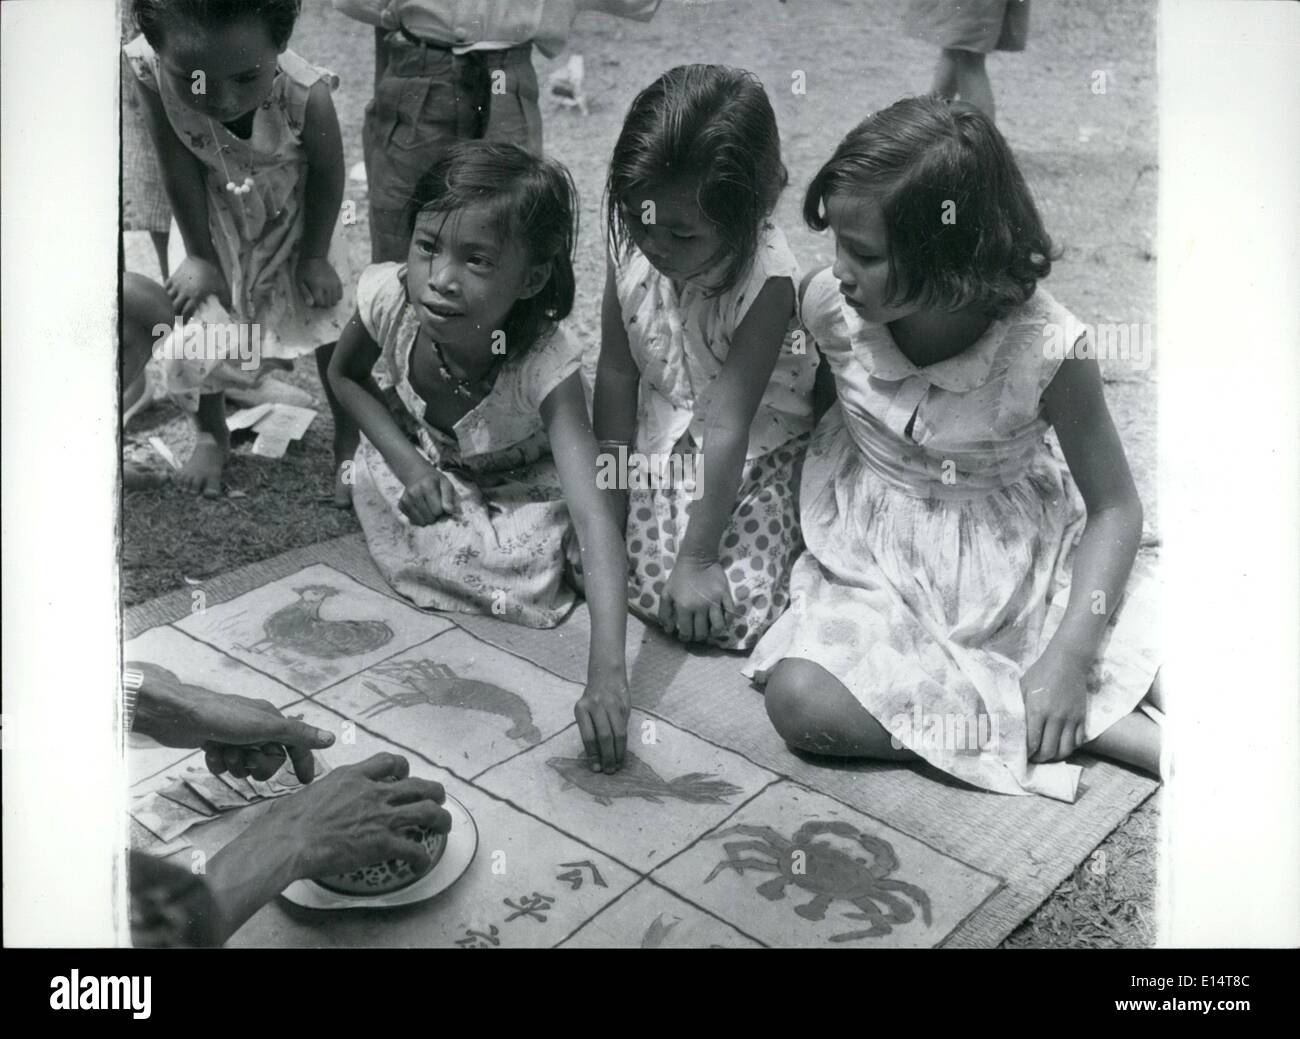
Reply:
x=874, y=347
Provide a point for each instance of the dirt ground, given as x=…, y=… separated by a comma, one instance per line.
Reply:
x=1079, y=109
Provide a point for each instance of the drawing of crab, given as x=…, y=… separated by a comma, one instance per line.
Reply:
x=828, y=872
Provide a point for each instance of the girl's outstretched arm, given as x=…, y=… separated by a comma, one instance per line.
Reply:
x=323, y=197
x=696, y=596
x=603, y=710
x=200, y=275
x=1055, y=685
x=429, y=494
x=618, y=381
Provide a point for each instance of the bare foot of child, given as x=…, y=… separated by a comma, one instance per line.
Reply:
x=140, y=478
x=202, y=473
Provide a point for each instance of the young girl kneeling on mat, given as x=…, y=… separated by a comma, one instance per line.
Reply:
x=703, y=378
x=484, y=499
x=958, y=600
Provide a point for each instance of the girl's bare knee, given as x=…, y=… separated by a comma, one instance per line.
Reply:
x=792, y=696
x=144, y=301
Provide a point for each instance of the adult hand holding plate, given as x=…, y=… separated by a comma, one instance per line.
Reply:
x=362, y=814
x=354, y=817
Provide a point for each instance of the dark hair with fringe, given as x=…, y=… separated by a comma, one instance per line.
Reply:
x=533, y=201
x=913, y=158
x=151, y=16
x=714, y=123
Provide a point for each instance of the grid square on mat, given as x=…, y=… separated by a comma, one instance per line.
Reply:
x=458, y=701
x=673, y=787
x=796, y=868
x=648, y=917
x=312, y=628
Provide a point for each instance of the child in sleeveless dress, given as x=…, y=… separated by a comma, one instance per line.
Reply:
x=957, y=601
x=703, y=398
x=477, y=494
x=252, y=161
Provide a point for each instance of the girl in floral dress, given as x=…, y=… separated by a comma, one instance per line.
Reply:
x=252, y=160
x=958, y=600
x=703, y=388
x=478, y=494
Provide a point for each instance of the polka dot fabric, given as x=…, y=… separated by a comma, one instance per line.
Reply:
x=757, y=551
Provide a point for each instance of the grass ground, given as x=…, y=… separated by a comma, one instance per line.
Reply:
x=1078, y=108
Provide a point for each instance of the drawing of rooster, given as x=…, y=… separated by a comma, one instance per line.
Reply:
x=300, y=627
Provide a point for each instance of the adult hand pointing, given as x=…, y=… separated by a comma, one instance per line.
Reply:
x=239, y=735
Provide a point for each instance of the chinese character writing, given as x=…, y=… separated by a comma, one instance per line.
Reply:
x=574, y=877
x=530, y=905
x=479, y=940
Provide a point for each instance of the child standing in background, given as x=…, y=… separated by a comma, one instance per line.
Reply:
x=965, y=31
x=144, y=199
x=448, y=71
x=699, y=358
x=144, y=208
x=252, y=159
x=958, y=600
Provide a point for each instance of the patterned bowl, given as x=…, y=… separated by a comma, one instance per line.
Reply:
x=392, y=875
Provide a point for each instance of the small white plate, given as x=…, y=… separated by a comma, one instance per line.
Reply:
x=462, y=843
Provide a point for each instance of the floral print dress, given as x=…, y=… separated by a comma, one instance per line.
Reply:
x=506, y=551
x=940, y=528
x=256, y=235
x=680, y=342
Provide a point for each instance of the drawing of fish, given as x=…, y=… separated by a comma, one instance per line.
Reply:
x=637, y=779
x=437, y=685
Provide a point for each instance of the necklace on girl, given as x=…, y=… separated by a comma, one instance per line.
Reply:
x=460, y=387
x=235, y=189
